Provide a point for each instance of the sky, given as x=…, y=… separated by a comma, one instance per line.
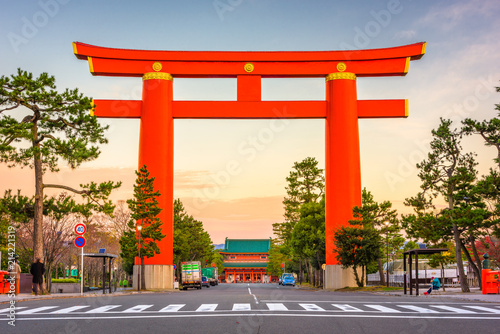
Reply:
x=455, y=79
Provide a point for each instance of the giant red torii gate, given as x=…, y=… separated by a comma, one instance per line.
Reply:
x=341, y=109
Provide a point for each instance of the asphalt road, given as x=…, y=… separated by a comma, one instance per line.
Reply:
x=251, y=308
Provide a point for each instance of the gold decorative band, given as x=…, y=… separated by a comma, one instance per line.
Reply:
x=340, y=75
x=157, y=75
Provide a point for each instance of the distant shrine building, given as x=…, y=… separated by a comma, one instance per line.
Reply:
x=245, y=261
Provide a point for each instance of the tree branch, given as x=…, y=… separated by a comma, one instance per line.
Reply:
x=66, y=188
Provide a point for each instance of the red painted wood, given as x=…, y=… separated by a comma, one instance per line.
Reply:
x=416, y=51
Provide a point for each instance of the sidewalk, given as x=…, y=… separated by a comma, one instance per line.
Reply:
x=4, y=298
x=474, y=295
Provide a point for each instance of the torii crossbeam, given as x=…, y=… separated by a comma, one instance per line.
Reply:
x=341, y=109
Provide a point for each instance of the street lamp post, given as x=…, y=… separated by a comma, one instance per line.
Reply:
x=139, y=228
x=387, y=253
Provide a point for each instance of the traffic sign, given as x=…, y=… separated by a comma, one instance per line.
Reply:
x=80, y=242
x=80, y=229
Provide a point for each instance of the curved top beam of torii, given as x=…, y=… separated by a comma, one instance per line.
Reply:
x=364, y=63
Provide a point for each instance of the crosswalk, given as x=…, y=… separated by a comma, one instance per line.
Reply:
x=275, y=307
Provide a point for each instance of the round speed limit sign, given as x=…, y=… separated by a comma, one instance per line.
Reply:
x=80, y=229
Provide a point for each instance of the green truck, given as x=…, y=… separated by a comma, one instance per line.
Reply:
x=212, y=274
x=191, y=275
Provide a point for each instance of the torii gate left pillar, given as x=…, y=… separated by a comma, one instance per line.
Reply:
x=341, y=111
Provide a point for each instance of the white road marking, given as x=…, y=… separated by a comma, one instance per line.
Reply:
x=452, y=309
x=382, y=308
x=254, y=297
x=172, y=308
x=137, y=308
x=5, y=310
x=103, y=309
x=486, y=309
x=311, y=307
x=418, y=309
x=69, y=309
x=276, y=307
x=38, y=309
x=241, y=307
x=108, y=316
x=346, y=307
x=207, y=307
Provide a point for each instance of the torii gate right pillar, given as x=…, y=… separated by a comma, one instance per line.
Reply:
x=342, y=168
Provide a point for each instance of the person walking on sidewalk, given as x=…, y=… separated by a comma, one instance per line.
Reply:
x=37, y=270
x=435, y=285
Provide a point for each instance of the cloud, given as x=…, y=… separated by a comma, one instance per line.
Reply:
x=405, y=34
x=450, y=15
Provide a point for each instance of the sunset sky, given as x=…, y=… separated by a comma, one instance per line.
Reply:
x=455, y=79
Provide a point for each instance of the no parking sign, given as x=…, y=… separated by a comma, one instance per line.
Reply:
x=80, y=242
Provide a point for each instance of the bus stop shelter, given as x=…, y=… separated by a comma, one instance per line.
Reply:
x=413, y=253
x=104, y=256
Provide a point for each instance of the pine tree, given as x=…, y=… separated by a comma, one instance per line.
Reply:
x=144, y=212
x=48, y=126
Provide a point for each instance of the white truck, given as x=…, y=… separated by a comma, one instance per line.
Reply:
x=191, y=275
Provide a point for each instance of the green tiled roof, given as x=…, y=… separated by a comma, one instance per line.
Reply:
x=245, y=265
x=247, y=245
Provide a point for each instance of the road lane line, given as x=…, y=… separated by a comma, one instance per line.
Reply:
x=382, y=308
x=207, y=307
x=241, y=307
x=347, y=307
x=486, y=309
x=103, y=309
x=137, y=308
x=311, y=307
x=38, y=309
x=254, y=297
x=418, y=309
x=69, y=309
x=107, y=316
x=172, y=308
x=276, y=307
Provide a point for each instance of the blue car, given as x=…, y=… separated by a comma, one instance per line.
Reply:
x=287, y=279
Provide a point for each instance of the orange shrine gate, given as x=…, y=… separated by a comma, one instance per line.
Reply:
x=341, y=109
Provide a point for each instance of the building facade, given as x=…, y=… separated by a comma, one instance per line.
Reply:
x=245, y=261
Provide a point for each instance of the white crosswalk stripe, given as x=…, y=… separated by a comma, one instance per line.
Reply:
x=276, y=307
x=207, y=307
x=347, y=307
x=311, y=307
x=38, y=309
x=481, y=308
x=308, y=307
x=172, y=308
x=103, y=309
x=137, y=308
x=6, y=310
x=241, y=307
x=418, y=309
x=382, y=308
x=452, y=309
x=70, y=309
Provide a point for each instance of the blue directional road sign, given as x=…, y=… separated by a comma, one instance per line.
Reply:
x=80, y=242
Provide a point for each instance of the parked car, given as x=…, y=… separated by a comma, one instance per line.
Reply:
x=204, y=281
x=287, y=279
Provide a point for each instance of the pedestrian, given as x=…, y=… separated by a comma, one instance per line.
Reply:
x=15, y=274
x=435, y=285
x=37, y=270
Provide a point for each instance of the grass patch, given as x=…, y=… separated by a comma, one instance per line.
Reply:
x=370, y=288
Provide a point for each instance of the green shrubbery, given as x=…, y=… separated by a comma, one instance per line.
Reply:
x=66, y=280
